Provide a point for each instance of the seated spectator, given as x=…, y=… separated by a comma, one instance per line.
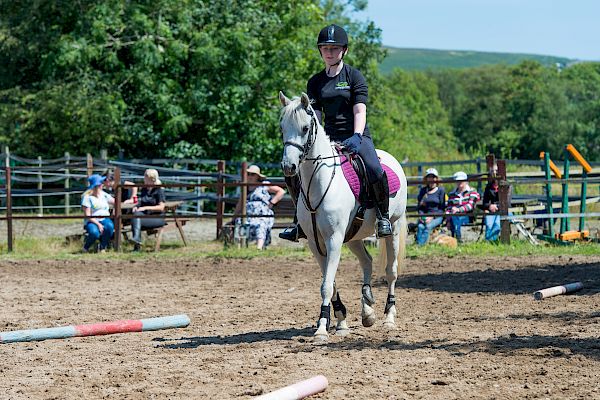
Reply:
x=461, y=200
x=151, y=201
x=95, y=203
x=128, y=195
x=260, y=202
x=431, y=200
x=490, y=206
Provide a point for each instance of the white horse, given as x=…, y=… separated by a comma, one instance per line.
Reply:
x=327, y=207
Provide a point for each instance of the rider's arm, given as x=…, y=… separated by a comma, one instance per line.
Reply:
x=360, y=117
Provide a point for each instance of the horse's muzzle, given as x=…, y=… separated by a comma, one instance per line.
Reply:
x=289, y=169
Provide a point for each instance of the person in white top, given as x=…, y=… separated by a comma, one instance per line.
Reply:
x=96, y=207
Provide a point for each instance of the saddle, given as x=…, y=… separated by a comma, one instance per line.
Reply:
x=354, y=171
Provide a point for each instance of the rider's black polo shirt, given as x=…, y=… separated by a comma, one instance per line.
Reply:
x=335, y=97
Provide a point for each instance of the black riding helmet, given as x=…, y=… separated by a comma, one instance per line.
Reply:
x=333, y=35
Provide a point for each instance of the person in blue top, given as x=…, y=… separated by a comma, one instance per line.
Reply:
x=340, y=92
x=259, y=207
x=96, y=207
x=431, y=200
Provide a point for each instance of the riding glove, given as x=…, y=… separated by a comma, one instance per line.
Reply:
x=353, y=142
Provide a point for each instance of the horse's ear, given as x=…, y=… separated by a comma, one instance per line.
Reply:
x=284, y=100
x=305, y=100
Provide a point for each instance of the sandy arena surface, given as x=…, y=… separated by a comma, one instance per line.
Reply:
x=467, y=328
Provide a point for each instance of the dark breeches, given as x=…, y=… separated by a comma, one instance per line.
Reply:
x=369, y=156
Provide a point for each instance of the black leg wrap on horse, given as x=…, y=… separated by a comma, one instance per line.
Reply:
x=391, y=301
x=325, y=313
x=368, y=294
x=338, y=306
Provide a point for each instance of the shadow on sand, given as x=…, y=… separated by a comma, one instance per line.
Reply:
x=543, y=346
x=249, y=337
x=506, y=281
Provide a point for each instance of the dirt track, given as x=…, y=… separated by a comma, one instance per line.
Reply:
x=468, y=328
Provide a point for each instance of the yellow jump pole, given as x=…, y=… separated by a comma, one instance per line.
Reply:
x=586, y=170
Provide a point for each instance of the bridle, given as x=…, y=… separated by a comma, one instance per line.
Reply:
x=312, y=136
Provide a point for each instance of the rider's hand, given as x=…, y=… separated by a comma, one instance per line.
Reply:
x=353, y=143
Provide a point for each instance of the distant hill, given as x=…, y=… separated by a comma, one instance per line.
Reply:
x=423, y=59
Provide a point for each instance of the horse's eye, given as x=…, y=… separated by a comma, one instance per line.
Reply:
x=305, y=129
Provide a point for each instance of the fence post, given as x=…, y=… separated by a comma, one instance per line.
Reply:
x=67, y=184
x=40, y=186
x=89, y=164
x=220, y=194
x=479, y=183
x=9, y=225
x=117, y=219
x=243, y=198
x=503, y=195
x=548, y=187
x=6, y=156
x=565, y=224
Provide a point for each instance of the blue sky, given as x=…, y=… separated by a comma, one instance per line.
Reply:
x=568, y=28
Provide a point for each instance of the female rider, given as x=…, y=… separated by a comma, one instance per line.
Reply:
x=340, y=91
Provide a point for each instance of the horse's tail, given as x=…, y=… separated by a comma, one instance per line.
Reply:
x=403, y=232
x=402, y=244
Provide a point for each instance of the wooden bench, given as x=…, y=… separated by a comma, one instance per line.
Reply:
x=172, y=222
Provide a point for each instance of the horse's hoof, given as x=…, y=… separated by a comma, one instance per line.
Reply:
x=390, y=326
x=342, y=332
x=368, y=320
x=319, y=338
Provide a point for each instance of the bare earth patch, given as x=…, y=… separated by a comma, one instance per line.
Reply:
x=468, y=328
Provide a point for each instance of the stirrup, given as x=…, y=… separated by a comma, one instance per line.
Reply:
x=293, y=233
x=384, y=227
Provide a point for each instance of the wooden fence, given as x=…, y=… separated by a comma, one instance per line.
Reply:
x=211, y=187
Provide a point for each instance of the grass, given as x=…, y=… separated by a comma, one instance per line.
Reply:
x=56, y=249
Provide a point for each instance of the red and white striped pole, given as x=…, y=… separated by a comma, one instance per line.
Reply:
x=102, y=328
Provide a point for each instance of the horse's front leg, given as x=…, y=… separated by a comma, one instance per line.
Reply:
x=333, y=246
x=367, y=300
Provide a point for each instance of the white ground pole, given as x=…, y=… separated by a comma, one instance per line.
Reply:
x=298, y=390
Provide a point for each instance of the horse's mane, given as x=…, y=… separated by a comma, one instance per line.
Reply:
x=289, y=112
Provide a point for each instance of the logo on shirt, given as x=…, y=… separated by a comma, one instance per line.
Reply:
x=342, y=86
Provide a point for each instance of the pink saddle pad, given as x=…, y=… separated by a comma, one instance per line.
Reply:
x=354, y=181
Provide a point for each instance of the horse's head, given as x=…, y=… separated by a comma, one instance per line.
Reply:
x=298, y=128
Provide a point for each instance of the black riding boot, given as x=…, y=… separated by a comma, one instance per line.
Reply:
x=294, y=232
x=381, y=192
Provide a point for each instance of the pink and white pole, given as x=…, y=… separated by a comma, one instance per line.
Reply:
x=102, y=328
x=558, y=290
x=299, y=390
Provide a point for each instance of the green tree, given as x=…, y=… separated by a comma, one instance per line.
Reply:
x=408, y=119
x=188, y=78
